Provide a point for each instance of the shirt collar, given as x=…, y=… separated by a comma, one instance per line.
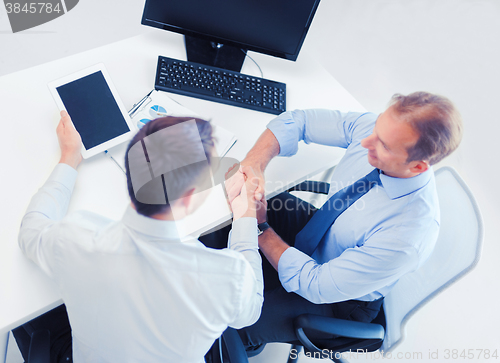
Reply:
x=150, y=226
x=399, y=187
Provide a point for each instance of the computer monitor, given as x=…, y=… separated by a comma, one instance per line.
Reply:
x=220, y=32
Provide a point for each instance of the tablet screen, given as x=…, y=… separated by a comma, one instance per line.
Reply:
x=93, y=109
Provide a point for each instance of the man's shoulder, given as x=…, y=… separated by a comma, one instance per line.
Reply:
x=79, y=227
x=83, y=220
x=427, y=194
x=421, y=204
x=363, y=125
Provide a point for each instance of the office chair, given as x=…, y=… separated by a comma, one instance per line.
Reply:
x=34, y=337
x=4, y=343
x=456, y=253
x=230, y=342
x=228, y=348
x=39, y=347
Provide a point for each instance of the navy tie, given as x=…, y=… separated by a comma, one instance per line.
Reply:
x=308, y=238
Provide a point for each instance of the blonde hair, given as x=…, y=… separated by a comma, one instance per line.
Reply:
x=435, y=119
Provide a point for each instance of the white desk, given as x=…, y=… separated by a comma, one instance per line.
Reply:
x=30, y=150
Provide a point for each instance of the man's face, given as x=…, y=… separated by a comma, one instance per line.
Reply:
x=388, y=144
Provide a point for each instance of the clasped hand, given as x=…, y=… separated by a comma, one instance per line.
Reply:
x=245, y=192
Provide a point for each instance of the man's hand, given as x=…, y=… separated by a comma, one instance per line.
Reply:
x=244, y=203
x=258, y=177
x=262, y=210
x=70, y=141
x=261, y=206
x=235, y=183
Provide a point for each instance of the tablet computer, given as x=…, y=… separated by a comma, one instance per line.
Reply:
x=95, y=108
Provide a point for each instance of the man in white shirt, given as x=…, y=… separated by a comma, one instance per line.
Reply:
x=133, y=290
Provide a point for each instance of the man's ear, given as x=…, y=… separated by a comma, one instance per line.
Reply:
x=418, y=167
x=185, y=200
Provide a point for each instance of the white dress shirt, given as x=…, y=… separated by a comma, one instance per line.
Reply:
x=133, y=291
x=388, y=232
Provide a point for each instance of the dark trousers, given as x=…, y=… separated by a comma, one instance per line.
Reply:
x=287, y=215
x=57, y=323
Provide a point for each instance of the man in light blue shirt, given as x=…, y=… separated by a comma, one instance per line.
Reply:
x=390, y=231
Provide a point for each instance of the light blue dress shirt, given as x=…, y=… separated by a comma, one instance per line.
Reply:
x=387, y=233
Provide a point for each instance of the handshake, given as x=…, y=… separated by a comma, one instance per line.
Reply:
x=245, y=192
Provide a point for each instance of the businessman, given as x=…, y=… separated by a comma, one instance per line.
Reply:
x=133, y=290
x=380, y=222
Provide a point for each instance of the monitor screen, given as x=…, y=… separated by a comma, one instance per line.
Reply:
x=274, y=27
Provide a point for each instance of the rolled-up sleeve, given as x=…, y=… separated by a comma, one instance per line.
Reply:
x=320, y=126
x=355, y=273
x=243, y=239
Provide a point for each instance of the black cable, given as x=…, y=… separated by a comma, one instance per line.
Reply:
x=261, y=74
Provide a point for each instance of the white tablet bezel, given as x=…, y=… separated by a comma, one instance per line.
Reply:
x=87, y=153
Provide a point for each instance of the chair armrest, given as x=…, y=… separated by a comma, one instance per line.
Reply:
x=39, y=347
x=234, y=346
x=365, y=334
x=312, y=186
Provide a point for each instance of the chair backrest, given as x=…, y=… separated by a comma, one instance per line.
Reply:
x=457, y=252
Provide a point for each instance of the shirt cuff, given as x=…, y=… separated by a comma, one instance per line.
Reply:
x=243, y=235
x=65, y=175
x=289, y=267
x=286, y=132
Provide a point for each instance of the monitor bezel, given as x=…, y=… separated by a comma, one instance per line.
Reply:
x=176, y=29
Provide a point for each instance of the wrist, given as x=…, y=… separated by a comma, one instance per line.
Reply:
x=250, y=213
x=72, y=161
x=255, y=163
x=262, y=228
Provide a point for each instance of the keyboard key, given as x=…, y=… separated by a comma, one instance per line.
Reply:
x=219, y=85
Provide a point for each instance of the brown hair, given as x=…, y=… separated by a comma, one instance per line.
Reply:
x=435, y=119
x=172, y=152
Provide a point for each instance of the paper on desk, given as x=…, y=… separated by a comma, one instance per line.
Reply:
x=159, y=104
x=224, y=140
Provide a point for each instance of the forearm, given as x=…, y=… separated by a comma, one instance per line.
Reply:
x=264, y=150
x=357, y=272
x=243, y=238
x=52, y=199
x=47, y=206
x=272, y=246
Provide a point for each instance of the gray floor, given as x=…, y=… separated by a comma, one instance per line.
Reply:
x=375, y=49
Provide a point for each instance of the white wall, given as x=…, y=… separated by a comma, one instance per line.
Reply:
x=90, y=24
x=451, y=47
x=374, y=48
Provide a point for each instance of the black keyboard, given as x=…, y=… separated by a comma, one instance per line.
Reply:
x=220, y=85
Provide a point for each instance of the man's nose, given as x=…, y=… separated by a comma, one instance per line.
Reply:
x=367, y=142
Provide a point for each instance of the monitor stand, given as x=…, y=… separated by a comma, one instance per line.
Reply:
x=214, y=54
